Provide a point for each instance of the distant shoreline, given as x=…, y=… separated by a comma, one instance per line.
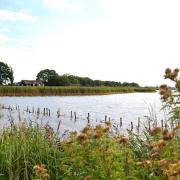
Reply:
x=69, y=90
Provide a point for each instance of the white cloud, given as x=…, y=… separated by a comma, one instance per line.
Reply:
x=4, y=30
x=23, y=15
x=62, y=5
x=13, y=42
x=3, y=38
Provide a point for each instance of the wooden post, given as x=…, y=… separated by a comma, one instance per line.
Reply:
x=105, y=118
x=120, y=121
x=139, y=122
x=132, y=126
x=58, y=125
x=162, y=124
x=49, y=112
x=75, y=116
x=149, y=124
x=166, y=126
x=44, y=111
x=88, y=118
x=71, y=114
x=58, y=113
x=38, y=111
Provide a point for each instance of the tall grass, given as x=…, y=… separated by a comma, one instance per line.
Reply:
x=36, y=152
x=58, y=91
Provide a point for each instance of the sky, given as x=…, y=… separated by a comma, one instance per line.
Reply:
x=118, y=40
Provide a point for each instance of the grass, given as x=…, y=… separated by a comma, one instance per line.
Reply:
x=64, y=91
x=31, y=151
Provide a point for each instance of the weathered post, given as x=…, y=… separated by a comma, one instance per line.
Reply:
x=105, y=118
x=149, y=124
x=75, y=116
x=120, y=121
x=38, y=111
x=71, y=114
x=139, y=122
x=132, y=126
x=88, y=118
x=162, y=124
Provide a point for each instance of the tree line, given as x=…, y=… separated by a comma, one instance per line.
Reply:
x=51, y=78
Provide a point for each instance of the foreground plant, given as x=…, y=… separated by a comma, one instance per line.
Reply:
x=171, y=98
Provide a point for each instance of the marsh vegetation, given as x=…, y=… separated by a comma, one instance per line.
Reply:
x=36, y=151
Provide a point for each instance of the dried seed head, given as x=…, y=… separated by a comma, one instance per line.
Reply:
x=165, y=132
x=96, y=135
x=163, y=163
x=156, y=149
x=82, y=137
x=106, y=129
x=149, y=163
x=178, y=85
x=155, y=131
x=123, y=140
x=160, y=143
x=141, y=164
x=86, y=129
x=87, y=178
x=155, y=155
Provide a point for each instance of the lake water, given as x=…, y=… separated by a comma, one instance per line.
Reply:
x=129, y=107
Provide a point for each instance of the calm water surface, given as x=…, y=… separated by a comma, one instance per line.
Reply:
x=128, y=106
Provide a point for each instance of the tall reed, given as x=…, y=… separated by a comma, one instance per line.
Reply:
x=59, y=91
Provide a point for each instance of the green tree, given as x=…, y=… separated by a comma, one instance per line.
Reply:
x=47, y=75
x=6, y=74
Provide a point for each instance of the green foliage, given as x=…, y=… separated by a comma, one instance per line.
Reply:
x=47, y=76
x=6, y=74
x=34, y=151
x=51, y=78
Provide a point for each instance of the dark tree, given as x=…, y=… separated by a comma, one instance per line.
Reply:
x=47, y=75
x=6, y=74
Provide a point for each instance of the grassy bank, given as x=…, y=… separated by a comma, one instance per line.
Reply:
x=35, y=152
x=66, y=91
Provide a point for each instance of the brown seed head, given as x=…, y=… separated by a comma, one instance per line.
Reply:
x=123, y=140
x=141, y=164
x=163, y=163
x=106, y=129
x=149, y=163
x=155, y=131
x=96, y=135
x=160, y=143
x=155, y=155
x=82, y=137
x=87, y=178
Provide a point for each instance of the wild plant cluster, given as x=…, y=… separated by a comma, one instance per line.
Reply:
x=171, y=97
x=33, y=151
x=67, y=90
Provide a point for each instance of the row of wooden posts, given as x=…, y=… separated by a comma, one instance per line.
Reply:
x=47, y=112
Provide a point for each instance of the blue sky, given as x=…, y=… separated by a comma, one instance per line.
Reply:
x=41, y=18
x=102, y=39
